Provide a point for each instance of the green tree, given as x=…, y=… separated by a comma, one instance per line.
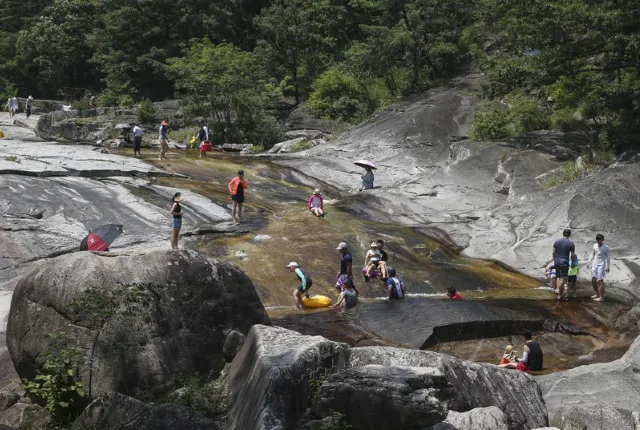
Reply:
x=228, y=85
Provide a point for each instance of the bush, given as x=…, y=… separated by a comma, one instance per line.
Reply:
x=565, y=120
x=126, y=101
x=527, y=115
x=146, y=111
x=303, y=145
x=256, y=149
x=444, y=58
x=108, y=98
x=82, y=104
x=506, y=74
x=491, y=122
x=570, y=172
x=338, y=95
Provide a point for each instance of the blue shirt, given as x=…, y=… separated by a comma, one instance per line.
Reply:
x=163, y=133
x=344, y=261
x=563, y=248
x=395, y=286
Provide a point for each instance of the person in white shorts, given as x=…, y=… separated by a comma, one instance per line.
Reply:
x=601, y=263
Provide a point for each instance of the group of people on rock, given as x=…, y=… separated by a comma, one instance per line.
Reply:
x=563, y=269
x=13, y=106
x=237, y=187
x=532, y=356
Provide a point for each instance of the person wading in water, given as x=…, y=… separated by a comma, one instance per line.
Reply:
x=237, y=187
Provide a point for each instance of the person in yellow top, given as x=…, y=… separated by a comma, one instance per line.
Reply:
x=574, y=269
x=236, y=188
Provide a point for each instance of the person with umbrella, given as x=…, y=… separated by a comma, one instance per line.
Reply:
x=367, y=178
x=176, y=211
x=101, y=238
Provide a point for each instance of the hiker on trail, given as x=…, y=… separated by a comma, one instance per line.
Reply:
x=395, y=286
x=237, y=187
x=316, y=203
x=28, y=106
x=138, y=132
x=452, y=294
x=349, y=297
x=305, y=283
x=367, y=179
x=176, y=212
x=203, y=136
x=601, y=264
x=163, y=139
x=532, y=356
x=563, y=249
x=346, y=263
x=574, y=270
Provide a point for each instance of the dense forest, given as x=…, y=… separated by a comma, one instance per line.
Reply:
x=565, y=64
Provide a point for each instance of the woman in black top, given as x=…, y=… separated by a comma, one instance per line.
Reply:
x=176, y=211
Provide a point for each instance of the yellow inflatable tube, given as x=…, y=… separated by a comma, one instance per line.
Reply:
x=316, y=301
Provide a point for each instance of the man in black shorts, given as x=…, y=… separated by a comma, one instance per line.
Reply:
x=563, y=251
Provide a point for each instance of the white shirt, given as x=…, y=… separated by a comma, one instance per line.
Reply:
x=14, y=103
x=601, y=255
x=372, y=254
x=137, y=131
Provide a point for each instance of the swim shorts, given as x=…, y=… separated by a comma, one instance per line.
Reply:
x=599, y=272
x=562, y=270
x=177, y=222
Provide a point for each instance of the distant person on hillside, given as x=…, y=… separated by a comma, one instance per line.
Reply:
x=176, y=212
x=138, y=132
x=163, y=139
x=395, y=286
x=574, y=270
x=305, y=283
x=28, y=105
x=600, y=262
x=92, y=102
x=451, y=293
x=203, y=136
x=316, y=203
x=237, y=187
x=532, y=357
x=563, y=249
x=349, y=297
x=367, y=179
x=346, y=266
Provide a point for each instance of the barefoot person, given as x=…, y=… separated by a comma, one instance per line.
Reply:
x=371, y=260
x=532, y=356
x=237, y=187
x=601, y=264
x=346, y=264
x=316, y=203
x=305, y=283
x=163, y=139
x=563, y=249
x=509, y=356
x=176, y=211
x=574, y=270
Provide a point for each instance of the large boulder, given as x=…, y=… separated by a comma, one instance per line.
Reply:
x=381, y=397
x=118, y=412
x=490, y=418
x=475, y=385
x=271, y=380
x=597, y=396
x=140, y=319
x=25, y=416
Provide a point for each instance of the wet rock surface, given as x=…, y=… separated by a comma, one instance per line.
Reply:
x=186, y=305
x=490, y=418
x=596, y=396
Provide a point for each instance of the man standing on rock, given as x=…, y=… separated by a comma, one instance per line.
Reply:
x=563, y=250
x=601, y=260
x=163, y=139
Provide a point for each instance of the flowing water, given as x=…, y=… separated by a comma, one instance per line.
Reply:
x=282, y=230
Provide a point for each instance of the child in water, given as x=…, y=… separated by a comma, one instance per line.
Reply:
x=451, y=293
x=509, y=355
x=574, y=269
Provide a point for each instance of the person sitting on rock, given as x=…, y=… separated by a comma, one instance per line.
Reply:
x=371, y=260
x=509, y=356
x=349, y=297
x=367, y=179
x=305, y=283
x=316, y=203
x=451, y=293
x=395, y=286
x=532, y=356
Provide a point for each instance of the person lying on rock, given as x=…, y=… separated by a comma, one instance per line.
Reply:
x=395, y=286
x=305, y=284
x=371, y=260
x=349, y=297
x=509, y=355
x=451, y=293
x=532, y=356
x=316, y=203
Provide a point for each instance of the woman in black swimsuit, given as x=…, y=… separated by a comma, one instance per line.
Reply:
x=176, y=211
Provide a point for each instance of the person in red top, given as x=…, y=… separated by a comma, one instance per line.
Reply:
x=237, y=186
x=451, y=293
x=316, y=203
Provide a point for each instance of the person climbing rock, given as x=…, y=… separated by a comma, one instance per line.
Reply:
x=138, y=132
x=452, y=294
x=600, y=262
x=563, y=249
x=349, y=297
x=346, y=263
x=532, y=357
x=305, y=283
x=176, y=212
x=203, y=136
x=237, y=187
x=163, y=139
x=395, y=285
x=316, y=203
